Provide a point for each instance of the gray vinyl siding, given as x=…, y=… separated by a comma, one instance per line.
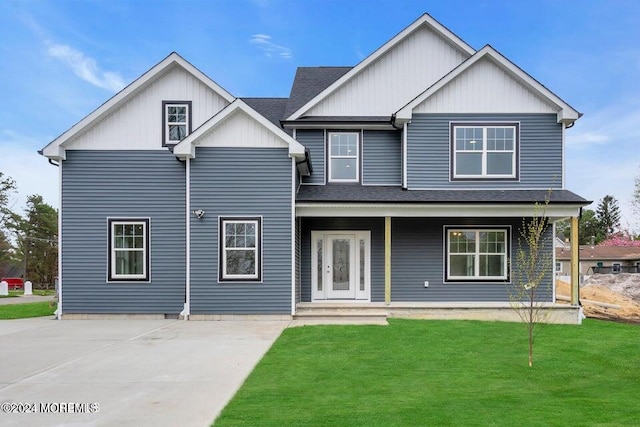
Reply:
x=417, y=255
x=313, y=139
x=375, y=225
x=241, y=182
x=428, y=147
x=382, y=156
x=97, y=185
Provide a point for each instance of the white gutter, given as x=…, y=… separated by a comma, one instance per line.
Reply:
x=293, y=236
x=405, y=184
x=187, y=304
x=58, y=312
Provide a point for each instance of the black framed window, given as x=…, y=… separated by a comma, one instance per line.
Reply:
x=484, y=151
x=128, y=249
x=176, y=120
x=477, y=254
x=240, y=249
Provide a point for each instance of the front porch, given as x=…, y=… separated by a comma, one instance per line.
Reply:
x=366, y=261
x=378, y=312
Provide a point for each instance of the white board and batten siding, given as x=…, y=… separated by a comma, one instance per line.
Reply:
x=241, y=130
x=484, y=88
x=137, y=125
x=395, y=78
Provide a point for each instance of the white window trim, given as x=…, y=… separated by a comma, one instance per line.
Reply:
x=165, y=116
x=112, y=276
x=558, y=264
x=476, y=278
x=485, y=126
x=330, y=157
x=618, y=265
x=222, y=250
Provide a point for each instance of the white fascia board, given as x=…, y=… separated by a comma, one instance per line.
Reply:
x=425, y=19
x=55, y=149
x=520, y=210
x=566, y=113
x=186, y=147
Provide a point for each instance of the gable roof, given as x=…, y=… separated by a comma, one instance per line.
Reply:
x=566, y=113
x=425, y=19
x=186, y=148
x=271, y=108
x=310, y=81
x=55, y=149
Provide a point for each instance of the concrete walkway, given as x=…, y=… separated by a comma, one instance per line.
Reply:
x=126, y=373
x=25, y=299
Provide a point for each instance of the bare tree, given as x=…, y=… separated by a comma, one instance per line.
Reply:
x=531, y=287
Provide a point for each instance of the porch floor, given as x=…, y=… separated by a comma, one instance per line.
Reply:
x=378, y=312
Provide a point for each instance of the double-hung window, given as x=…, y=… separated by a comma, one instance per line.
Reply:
x=484, y=151
x=240, y=249
x=128, y=249
x=344, y=164
x=176, y=119
x=477, y=254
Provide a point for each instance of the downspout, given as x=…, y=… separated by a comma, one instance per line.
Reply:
x=186, y=312
x=58, y=312
x=404, y=149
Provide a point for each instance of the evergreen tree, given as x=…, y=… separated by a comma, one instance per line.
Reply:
x=608, y=214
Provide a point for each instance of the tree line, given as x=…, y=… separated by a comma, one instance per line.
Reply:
x=28, y=241
x=599, y=225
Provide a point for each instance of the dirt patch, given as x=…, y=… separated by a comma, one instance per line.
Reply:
x=608, y=296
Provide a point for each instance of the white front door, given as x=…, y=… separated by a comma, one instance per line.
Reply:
x=340, y=265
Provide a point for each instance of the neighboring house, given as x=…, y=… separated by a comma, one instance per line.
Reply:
x=399, y=183
x=601, y=259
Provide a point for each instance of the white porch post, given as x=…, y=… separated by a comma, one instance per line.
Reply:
x=575, y=261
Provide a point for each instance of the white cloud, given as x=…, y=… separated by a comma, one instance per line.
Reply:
x=31, y=171
x=85, y=67
x=263, y=42
x=602, y=156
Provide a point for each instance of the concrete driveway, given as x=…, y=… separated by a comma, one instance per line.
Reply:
x=125, y=372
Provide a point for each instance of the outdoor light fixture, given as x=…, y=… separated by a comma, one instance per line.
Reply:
x=199, y=213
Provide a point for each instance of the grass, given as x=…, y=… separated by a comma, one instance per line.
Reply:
x=436, y=373
x=22, y=311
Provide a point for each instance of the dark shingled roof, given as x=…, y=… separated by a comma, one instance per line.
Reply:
x=271, y=108
x=388, y=194
x=309, y=82
x=343, y=119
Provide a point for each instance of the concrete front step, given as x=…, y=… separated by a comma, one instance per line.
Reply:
x=340, y=314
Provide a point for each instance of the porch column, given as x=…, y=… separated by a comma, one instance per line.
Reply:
x=387, y=260
x=575, y=261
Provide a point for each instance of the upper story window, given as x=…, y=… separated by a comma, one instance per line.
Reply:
x=129, y=249
x=344, y=164
x=481, y=151
x=176, y=119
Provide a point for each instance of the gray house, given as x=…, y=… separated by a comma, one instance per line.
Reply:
x=398, y=184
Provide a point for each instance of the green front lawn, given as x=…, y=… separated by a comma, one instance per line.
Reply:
x=435, y=373
x=22, y=311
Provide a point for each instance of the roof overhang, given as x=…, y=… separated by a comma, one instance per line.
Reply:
x=425, y=19
x=373, y=123
x=55, y=150
x=566, y=114
x=187, y=147
x=457, y=210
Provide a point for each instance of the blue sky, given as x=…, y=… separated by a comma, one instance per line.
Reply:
x=62, y=59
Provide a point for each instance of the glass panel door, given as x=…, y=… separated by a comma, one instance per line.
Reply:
x=340, y=266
